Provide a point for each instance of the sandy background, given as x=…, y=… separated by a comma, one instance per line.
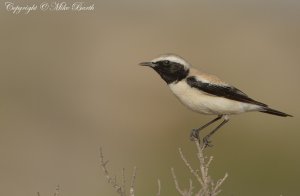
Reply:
x=70, y=83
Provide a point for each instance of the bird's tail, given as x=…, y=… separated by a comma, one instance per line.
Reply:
x=274, y=112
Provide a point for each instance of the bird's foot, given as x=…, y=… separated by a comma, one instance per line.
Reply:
x=207, y=142
x=194, y=136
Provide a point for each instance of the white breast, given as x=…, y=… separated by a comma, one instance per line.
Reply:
x=208, y=104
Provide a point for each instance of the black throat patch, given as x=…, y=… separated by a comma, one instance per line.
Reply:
x=171, y=71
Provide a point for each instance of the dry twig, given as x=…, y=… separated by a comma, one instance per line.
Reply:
x=208, y=187
x=159, y=187
x=56, y=193
x=120, y=189
x=57, y=190
x=131, y=190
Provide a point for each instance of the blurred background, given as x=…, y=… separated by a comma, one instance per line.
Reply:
x=70, y=83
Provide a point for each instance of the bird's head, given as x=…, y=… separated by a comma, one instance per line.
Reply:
x=170, y=67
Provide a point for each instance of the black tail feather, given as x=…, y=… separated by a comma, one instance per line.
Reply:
x=274, y=112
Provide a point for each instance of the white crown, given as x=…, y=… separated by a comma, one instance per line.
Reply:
x=172, y=58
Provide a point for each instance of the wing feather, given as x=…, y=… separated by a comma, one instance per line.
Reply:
x=226, y=91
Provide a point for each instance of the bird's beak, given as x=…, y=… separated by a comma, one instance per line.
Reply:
x=149, y=64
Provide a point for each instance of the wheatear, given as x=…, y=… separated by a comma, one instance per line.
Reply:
x=204, y=93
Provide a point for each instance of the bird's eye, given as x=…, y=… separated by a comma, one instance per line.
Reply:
x=166, y=62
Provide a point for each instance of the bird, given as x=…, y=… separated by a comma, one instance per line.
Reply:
x=205, y=93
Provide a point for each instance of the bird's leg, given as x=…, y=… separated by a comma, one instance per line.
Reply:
x=206, y=141
x=195, y=132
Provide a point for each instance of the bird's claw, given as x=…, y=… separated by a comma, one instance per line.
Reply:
x=194, y=135
x=207, y=142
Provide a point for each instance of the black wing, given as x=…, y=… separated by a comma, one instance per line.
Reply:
x=228, y=92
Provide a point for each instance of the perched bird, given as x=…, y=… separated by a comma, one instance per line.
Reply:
x=205, y=93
